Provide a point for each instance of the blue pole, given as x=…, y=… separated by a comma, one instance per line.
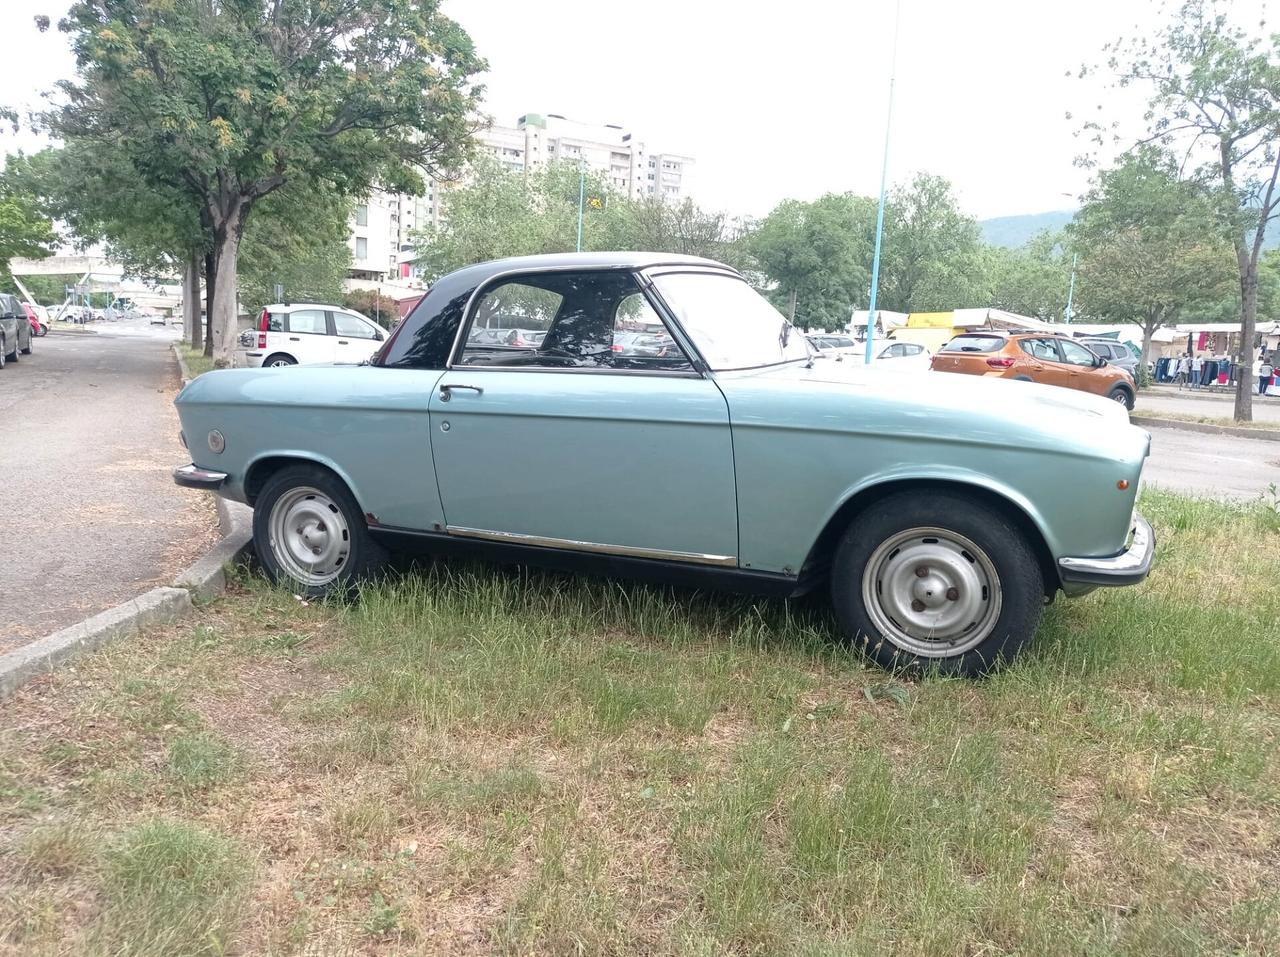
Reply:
x=884, y=172
x=1071, y=290
x=582, y=186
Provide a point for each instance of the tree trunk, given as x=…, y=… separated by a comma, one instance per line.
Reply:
x=210, y=283
x=1148, y=330
x=226, y=312
x=191, y=312
x=1248, y=323
x=791, y=307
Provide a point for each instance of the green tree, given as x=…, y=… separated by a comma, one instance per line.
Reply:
x=1148, y=244
x=495, y=212
x=932, y=253
x=1214, y=95
x=1032, y=280
x=298, y=239
x=817, y=257
x=224, y=102
x=25, y=230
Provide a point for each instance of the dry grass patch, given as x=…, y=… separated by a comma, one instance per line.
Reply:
x=471, y=760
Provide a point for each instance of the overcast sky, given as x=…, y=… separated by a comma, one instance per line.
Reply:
x=787, y=101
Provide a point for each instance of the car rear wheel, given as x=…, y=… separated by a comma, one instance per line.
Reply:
x=309, y=532
x=3, y=356
x=1122, y=395
x=27, y=350
x=935, y=581
x=280, y=359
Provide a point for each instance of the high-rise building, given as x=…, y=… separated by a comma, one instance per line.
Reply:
x=385, y=240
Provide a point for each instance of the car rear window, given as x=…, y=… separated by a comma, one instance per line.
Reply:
x=974, y=344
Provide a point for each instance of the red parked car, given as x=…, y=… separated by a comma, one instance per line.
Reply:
x=37, y=328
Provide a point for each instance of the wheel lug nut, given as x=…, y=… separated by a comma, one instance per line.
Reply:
x=917, y=605
x=953, y=594
x=921, y=571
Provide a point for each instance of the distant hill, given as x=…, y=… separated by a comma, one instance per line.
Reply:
x=1013, y=231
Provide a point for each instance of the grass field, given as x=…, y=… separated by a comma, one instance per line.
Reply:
x=471, y=760
x=1265, y=425
x=197, y=362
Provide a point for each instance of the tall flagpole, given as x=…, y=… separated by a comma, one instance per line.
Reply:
x=884, y=172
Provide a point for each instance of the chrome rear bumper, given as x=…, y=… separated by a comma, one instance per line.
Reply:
x=192, y=476
x=1127, y=568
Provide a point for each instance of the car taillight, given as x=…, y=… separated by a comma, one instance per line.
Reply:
x=264, y=321
x=617, y=347
x=1000, y=362
x=262, y=340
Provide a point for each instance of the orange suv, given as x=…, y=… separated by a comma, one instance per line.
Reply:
x=1036, y=357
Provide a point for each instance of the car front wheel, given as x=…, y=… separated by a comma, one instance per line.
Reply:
x=937, y=581
x=1123, y=396
x=309, y=532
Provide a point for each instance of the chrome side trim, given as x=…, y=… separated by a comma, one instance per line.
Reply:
x=1127, y=568
x=661, y=554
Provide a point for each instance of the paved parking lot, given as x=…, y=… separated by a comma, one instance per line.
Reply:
x=92, y=516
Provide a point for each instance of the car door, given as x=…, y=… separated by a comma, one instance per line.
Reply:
x=1081, y=366
x=307, y=336
x=1044, y=362
x=355, y=338
x=577, y=444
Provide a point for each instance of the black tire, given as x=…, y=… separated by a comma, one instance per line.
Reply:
x=44, y=330
x=986, y=555
x=3, y=355
x=279, y=359
x=1121, y=394
x=27, y=350
x=363, y=556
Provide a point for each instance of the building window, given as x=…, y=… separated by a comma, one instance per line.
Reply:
x=362, y=214
x=362, y=248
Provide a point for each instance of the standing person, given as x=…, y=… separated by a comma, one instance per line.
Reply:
x=1196, y=365
x=1265, y=371
x=1180, y=370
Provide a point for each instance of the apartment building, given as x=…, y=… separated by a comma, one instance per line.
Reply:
x=383, y=227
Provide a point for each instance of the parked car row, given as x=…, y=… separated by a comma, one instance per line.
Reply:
x=938, y=518
x=19, y=327
x=1037, y=357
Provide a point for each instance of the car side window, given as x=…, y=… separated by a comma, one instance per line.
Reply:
x=352, y=327
x=1040, y=349
x=912, y=349
x=564, y=320
x=1075, y=354
x=310, y=321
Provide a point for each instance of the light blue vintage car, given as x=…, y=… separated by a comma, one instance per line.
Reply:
x=651, y=415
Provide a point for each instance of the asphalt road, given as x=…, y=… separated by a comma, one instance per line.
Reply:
x=93, y=518
x=1212, y=466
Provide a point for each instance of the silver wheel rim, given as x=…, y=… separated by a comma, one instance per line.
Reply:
x=279, y=363
x=932, y=592
x=1120, y=397
x=310, y=537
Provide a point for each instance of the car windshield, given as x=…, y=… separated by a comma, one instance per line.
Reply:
x=733, y=326
x=974, y=344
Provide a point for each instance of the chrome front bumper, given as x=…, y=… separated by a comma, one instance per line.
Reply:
x=192, y=476
x=1127, y=568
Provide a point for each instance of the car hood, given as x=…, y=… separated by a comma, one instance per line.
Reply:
x=962, y=407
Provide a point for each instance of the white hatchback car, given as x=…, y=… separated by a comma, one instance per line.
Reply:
x=308, y=333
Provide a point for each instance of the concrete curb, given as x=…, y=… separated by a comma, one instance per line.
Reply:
x=182, y=366
x=153, y=607
x=198, y=583
x=1266, y=435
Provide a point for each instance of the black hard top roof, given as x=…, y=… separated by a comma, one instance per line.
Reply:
x=620, y=260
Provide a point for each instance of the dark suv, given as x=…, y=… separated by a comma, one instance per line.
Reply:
x=15, y=329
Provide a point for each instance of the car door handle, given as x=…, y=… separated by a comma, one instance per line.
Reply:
x=294, y=339
x=446, y=391
x=342, y=342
